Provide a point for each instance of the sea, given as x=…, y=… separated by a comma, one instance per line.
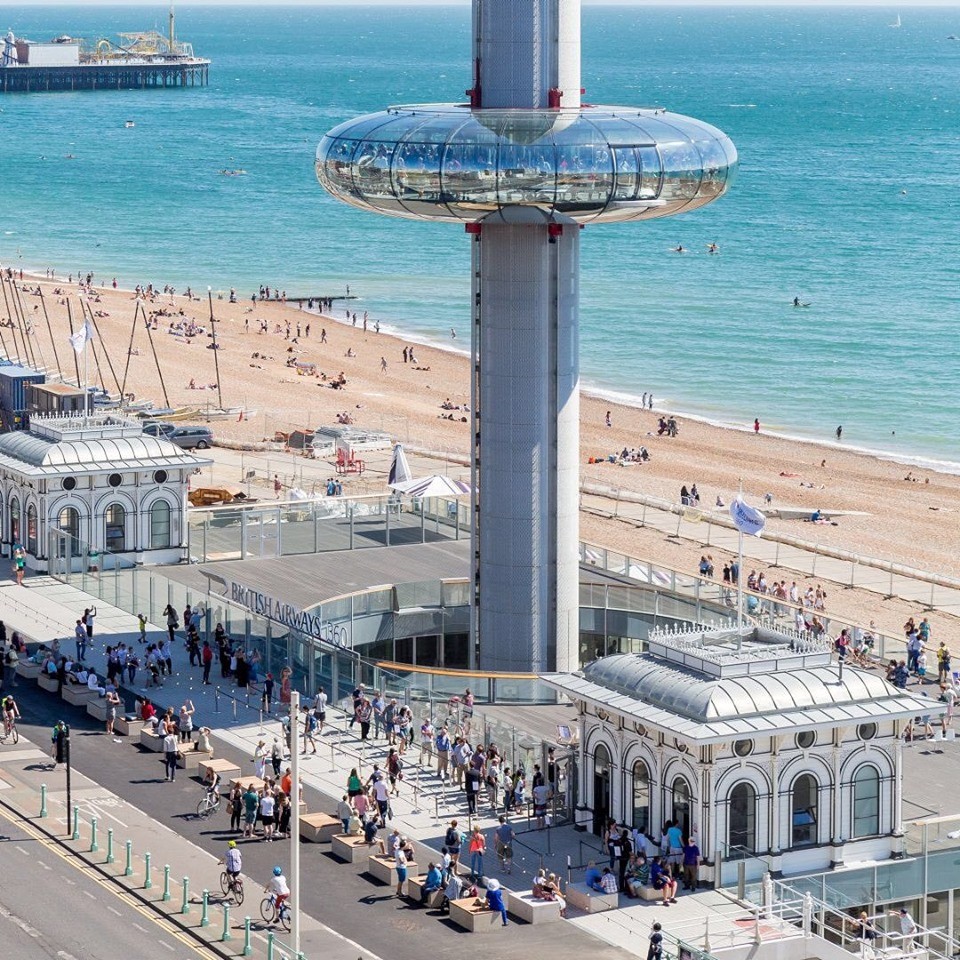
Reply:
x=848, y=195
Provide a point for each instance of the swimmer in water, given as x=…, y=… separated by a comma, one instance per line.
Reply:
x=796, y=302
x=712, y=248
x=679, y=249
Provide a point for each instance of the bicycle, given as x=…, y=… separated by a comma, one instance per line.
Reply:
x=270, y=913
x=209, y=804
x=10, y=732
x=232, y=886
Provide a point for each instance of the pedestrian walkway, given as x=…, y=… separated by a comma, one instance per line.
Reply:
x=714, y=530
x=149, y=860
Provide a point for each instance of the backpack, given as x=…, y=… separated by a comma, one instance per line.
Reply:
x=452, y=838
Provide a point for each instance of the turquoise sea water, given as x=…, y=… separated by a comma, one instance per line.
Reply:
x=849, y=138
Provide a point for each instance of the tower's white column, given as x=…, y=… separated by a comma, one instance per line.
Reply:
x=525, y=49
x=527, y=438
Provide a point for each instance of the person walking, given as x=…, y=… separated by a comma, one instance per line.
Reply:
x=206, y=657
x=80, y=632
x=259, y=760
x=504, y=837
x=170, y=749
x=476, y=849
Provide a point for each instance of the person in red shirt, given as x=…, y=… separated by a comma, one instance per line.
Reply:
x=147, y=710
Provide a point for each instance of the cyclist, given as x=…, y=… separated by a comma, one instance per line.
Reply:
x=213, y=786
x=11, y=713
x=233, y=863
x=279, y=889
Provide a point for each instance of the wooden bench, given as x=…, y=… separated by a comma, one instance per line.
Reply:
x=48, y=683
x=98, y=708
x=191, y=759
x=585, y=898
x=244, y=783
x=532, y=909
x=319, y=827
x=650, y=893
x=29, y=670
x=79, y=694
x=350, y=849
x=383, y=868
x=128, y=725
x=415, y=891
x=151, y=741
x=472, y=914
x=226, y=768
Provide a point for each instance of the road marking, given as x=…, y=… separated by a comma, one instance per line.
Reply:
x=167, y=945
x=63, y=955
x=114, y=910
x=137, y=925
x=21, y=850
x=87, y=893
x=18, y=922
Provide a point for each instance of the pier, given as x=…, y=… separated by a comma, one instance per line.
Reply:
x=104, y=76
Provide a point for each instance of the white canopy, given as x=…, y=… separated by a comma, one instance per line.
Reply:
x=399, y=468
x=435, y=486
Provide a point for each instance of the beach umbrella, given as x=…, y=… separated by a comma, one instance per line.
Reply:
x=435, y=486
x=399, y=468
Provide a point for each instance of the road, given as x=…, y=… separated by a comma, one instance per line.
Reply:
x=338, y=895
x=53, y=906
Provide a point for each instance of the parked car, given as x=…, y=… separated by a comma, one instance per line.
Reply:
x=191, y=437
x=159, y=428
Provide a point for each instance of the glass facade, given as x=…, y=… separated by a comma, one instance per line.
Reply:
x=448, y=162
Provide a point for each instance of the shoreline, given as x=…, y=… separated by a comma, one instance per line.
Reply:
x=590, y=388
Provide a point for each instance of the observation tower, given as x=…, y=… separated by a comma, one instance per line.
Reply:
x=525, y=165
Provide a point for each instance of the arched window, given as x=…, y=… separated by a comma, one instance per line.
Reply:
x=115, y=521
x=681, y=805
x=14, y=520
x=68, y=522
x=160, y=525
x=805, y=800
x=742, y=829
x=641, y=796
x=866, y=802
x=601, y=788
x=32, y=530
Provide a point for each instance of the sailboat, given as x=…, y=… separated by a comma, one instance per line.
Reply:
x=896, y=23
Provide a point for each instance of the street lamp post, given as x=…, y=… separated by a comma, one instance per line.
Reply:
x=295, y=821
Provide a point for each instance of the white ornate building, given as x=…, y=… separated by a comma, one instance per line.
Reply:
x=75, y=485
x=758, y=744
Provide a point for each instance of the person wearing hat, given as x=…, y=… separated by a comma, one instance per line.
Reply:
x=495, y=899
x=233, y=864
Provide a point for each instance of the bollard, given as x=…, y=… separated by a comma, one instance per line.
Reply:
x=185, y=903
x=166, y=882
x=234, y=699
x=270, y=939
x=226, y=922
x=128, y=869
x=147, y=879
x=94, y=846
x=216, y=700
x=110, y=857
x=204, y=917
x=43, y=800
x=333, y=762
x=76, y=823
x=247, y=948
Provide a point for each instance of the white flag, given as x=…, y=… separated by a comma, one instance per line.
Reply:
x=79, y=339
x=747, y=519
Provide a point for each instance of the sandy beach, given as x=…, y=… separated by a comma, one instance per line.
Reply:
x=911, y=521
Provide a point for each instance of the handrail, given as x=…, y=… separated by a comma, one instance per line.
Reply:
x=447, y=672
